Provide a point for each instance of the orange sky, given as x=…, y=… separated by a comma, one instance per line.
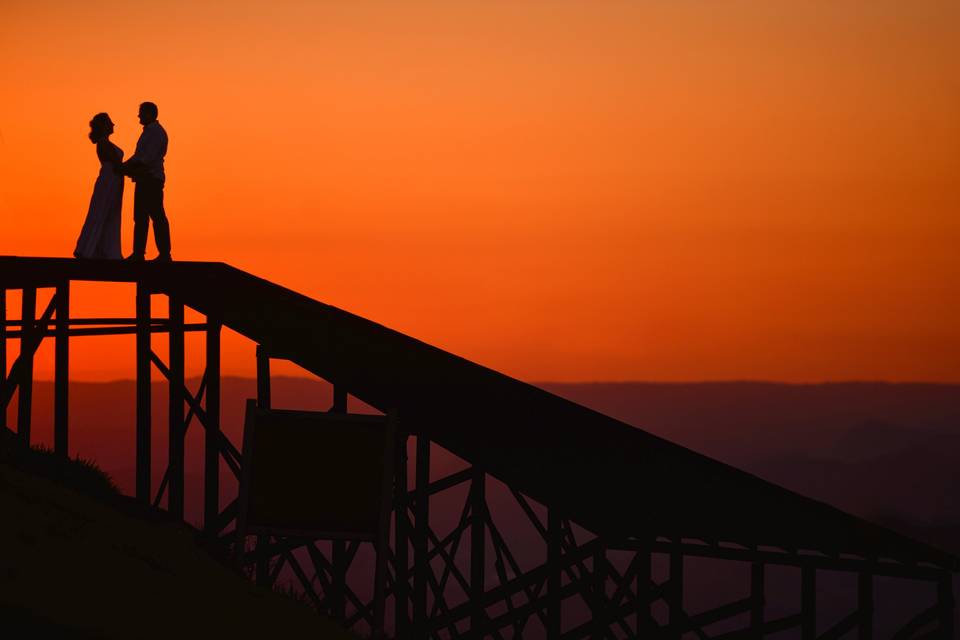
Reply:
x=592, y=190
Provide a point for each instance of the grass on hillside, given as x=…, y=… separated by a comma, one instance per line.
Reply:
x=77, y=473
x=81, y=560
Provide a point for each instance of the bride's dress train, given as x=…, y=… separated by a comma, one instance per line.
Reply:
x=100, y=236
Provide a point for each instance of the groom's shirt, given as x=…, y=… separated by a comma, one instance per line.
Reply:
x=151, y=147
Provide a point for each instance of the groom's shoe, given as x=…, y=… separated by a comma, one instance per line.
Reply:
x=134, y=257
x=163, y=257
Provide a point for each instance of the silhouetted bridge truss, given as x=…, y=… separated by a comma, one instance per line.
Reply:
x=616, y=520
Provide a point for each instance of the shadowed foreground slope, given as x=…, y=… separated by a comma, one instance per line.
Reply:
x=86, y=566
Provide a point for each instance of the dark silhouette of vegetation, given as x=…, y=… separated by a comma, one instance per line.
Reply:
x=83, y=561
x=79, y=474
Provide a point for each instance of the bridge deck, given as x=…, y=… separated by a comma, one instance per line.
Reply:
x=608, y=476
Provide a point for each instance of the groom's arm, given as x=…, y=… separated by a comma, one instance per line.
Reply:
x=129, y=168
x=149, y=149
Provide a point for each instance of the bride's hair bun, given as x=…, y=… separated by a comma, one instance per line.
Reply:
x=99, y=126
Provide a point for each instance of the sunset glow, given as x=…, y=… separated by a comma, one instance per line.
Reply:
x=612, y=190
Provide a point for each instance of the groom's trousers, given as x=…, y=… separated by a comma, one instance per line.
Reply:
x=147, y=206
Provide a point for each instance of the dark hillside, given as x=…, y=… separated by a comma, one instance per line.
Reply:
x=95, y=565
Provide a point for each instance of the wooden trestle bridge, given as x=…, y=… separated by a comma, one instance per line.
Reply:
x=618, y=513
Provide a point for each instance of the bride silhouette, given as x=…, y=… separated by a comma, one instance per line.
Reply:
x=100, y=236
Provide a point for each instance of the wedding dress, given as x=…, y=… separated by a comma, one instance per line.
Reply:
x=100, y=236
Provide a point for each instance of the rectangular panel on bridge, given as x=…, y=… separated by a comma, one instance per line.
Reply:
x=314, y=474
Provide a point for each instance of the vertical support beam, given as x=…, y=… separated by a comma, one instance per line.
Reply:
x=600, y=593
x=402, y=586
x=61, y=373
x=422, y=525
x=143, y=394
x=3, y=352
x=175, y=437
x=211, y=445
x=865, y=605
x=644, y=622
x=338, y=599
x=25, y=387
x=382, y=542
x=757, y=597
x=675, y=592
x=263, y=378
x=478, y=547
x=946, y=604
x=262, y=569
x=554, y=542
x=808, y=603
x=339, y=399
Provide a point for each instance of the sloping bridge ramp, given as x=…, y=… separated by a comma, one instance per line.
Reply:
x=628, y=494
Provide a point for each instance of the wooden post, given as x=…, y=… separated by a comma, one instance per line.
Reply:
x=338, y=599
x=644, y=626
x=143, y=394
x=757, y=588
x=402, y=586
x=263, y=378
x=478, y=551
x=600, y=593
x=808, y=603
x=339, y=399
x=675, y=592
x=554, y=533
x=25, y=388
x=422, y=526
x=176, y=432
x=383, y=529
x=262, y=569
x=865, y=605
x=61, y=373
x=211, y=446
x=3, y=352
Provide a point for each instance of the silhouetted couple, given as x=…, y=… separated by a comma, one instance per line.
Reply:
x=100, y=236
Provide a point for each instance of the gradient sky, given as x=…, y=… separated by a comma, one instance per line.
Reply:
x=593, y=190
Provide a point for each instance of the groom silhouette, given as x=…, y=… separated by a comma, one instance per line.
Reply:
x=145, y=167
